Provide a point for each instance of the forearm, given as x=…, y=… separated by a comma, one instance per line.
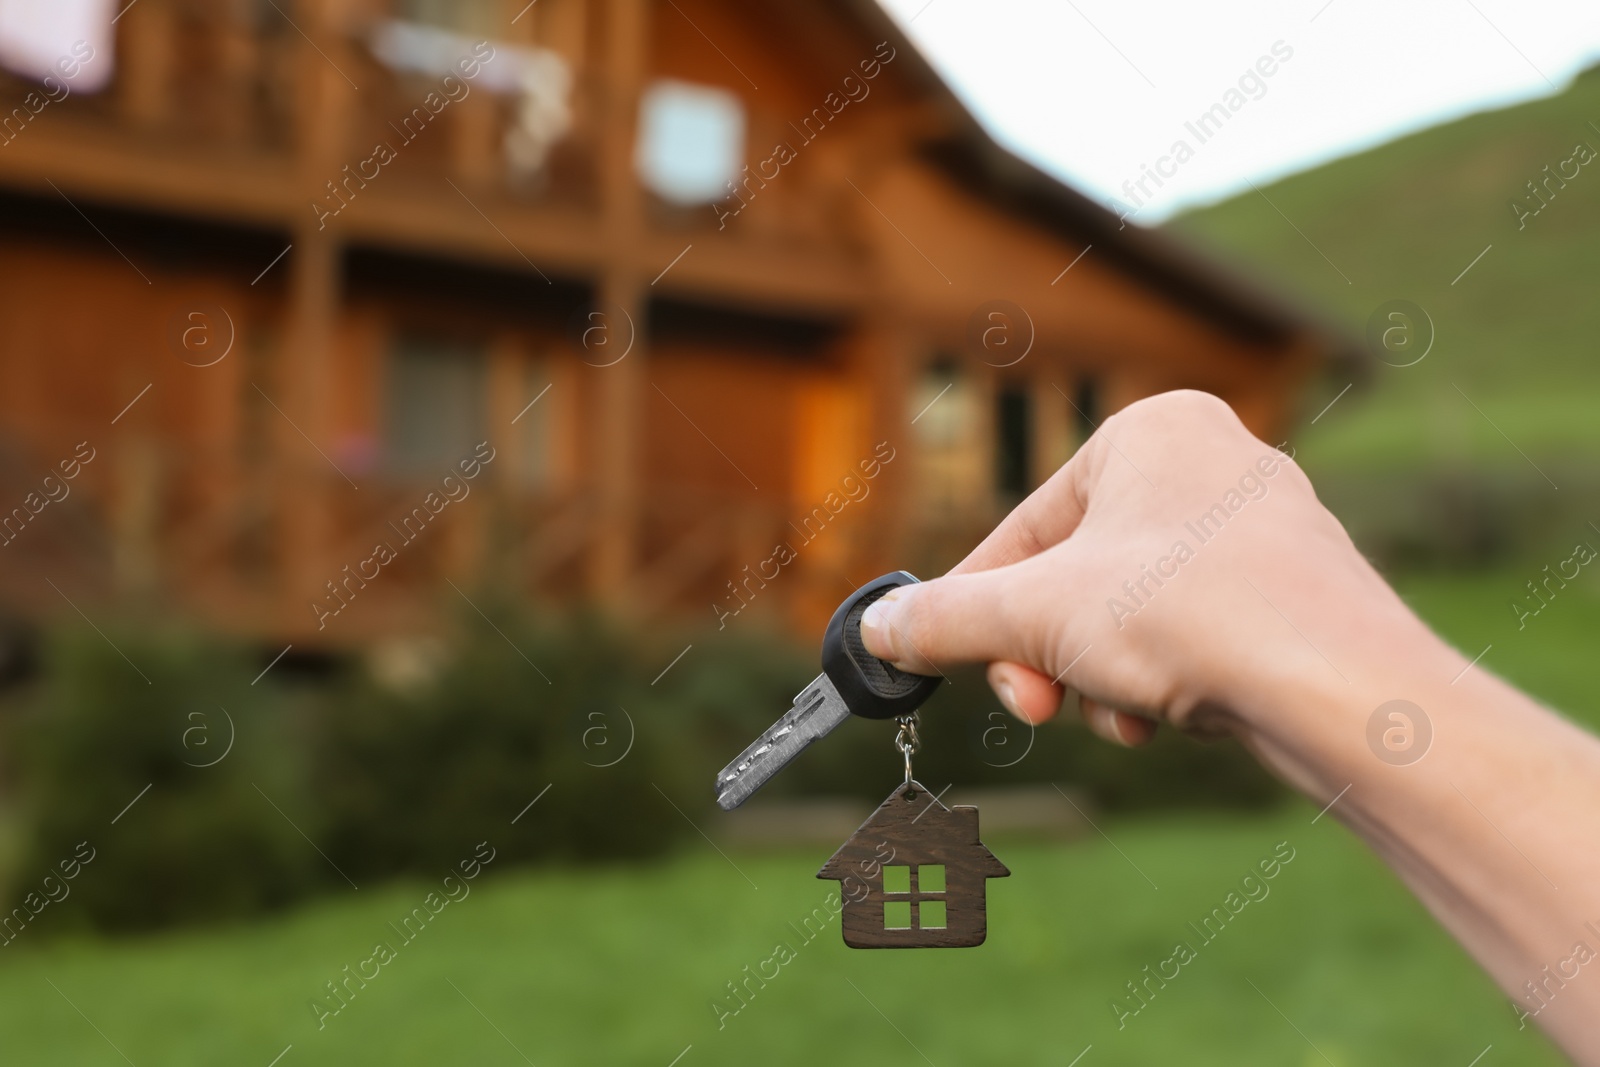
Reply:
x=1493, y=826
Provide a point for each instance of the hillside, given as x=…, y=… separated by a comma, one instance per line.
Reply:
x=1515, y=335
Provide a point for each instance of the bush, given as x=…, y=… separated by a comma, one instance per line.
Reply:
x=411, y=781
x=201, y=842
x=391, y=781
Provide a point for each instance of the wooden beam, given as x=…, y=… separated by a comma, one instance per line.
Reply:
x=300, y=390
x=618, y=395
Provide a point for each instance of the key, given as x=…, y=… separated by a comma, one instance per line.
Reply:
x=852, y=682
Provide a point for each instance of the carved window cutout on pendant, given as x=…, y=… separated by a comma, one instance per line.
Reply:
x=913, y=897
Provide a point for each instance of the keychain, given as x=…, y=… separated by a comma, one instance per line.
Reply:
x=914, y=875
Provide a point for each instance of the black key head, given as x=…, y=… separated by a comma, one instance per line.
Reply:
x=872, y=688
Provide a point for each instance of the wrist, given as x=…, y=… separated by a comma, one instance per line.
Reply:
x=1339, y=701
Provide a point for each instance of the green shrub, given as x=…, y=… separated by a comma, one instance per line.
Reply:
x=338, y=776
x=201, y=842
x=409, y=781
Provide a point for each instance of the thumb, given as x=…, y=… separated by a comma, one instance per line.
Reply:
x=960, y=618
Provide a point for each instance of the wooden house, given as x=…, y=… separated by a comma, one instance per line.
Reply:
x=342, y=310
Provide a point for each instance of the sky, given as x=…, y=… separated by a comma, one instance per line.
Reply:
x=1095, y=91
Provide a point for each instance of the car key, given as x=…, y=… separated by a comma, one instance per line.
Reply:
x=852, y=682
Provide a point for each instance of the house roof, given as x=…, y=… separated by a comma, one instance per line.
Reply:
x=913, y=809
x=1241, y=305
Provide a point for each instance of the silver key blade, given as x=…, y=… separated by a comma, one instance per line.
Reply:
x=816, y=711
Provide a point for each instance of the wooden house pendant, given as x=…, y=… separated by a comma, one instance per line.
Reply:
x=914, y=875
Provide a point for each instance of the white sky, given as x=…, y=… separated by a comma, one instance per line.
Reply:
x=1092, y=90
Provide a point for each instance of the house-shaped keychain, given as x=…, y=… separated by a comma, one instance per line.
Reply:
x=914, y=875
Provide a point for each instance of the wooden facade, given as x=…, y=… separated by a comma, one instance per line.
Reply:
x=280, y=341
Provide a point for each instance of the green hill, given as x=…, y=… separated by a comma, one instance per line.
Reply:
x=1407, y=458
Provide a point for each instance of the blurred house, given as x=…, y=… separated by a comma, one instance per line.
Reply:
x=718, y=304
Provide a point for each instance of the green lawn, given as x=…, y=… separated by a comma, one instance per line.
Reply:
x=623, y=964
x=1551, y=657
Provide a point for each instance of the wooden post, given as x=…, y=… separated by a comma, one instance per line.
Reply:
x=307, y=487
x=888, y=358
x=145, y=50
x=618, y=393
x=238, y=45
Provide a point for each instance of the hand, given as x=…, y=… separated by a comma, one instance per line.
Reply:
x=1172, y=569
x=1179, y=569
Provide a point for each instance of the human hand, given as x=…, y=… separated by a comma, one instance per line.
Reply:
x=1176, y=568
x=1179, y=569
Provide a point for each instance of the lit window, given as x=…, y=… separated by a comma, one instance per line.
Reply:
x=691, y=141
x=435, y=403
x=952, y=470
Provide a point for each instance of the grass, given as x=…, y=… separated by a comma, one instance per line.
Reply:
x=1337, y=965
x=1550, y=657
x=623, y=966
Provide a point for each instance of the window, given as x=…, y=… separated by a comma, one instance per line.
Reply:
x=1086, y=407
x=537, y=427
x=945, y=414
x=691, y=141
x=914, y=897
x=1014, y=449
x=435, y=403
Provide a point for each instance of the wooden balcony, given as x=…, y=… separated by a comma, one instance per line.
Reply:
x=274, y=123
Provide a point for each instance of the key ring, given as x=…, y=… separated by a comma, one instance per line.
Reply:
x=907, y=740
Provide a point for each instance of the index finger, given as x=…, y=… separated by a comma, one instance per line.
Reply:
x=1045, y=518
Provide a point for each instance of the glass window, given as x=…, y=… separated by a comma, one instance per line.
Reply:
x=1014, y=449
x=1086, y=407
x=435, y=403
x=536, y=426
x=691, y=141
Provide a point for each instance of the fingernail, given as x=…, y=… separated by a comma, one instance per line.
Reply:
x=1008, y=697
x=875, y=627
x=1106, y=724
x=1116, y=722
